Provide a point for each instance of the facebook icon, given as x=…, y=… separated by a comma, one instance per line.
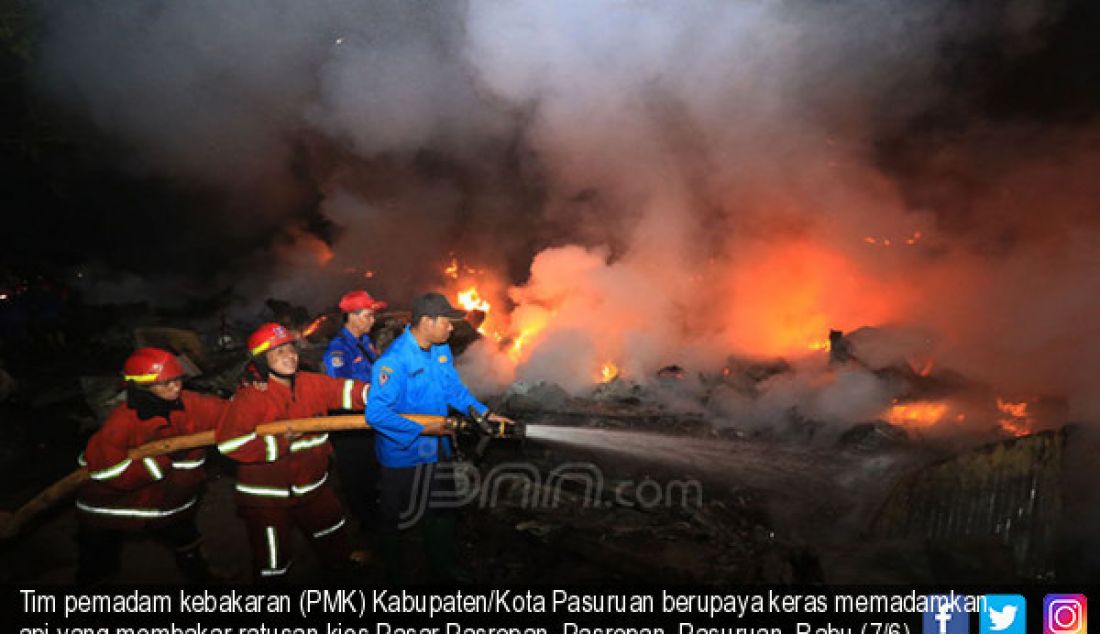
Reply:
x=945, y=615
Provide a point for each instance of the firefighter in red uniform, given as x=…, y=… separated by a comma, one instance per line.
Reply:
x=282, y=480
x=158, y=494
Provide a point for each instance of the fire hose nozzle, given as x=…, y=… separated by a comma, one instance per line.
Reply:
x=497, y=428
x=482, y=425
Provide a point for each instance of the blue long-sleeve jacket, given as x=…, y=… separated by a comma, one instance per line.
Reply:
x=350, y=357
x=410, y=380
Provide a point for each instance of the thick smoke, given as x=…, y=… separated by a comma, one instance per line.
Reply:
x=660, y=183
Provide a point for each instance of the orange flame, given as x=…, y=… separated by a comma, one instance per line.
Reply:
x=313, y=326
x=608, y=372
x=917, y=415
x=819, y=345
x=1017, y=420
x=787, y=296
x=469, y=299
x=517, y=345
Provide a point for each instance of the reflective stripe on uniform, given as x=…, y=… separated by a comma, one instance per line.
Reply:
x=272, y=549
x=145, y=513
x=348, y=386
x=234, y=444
x=271, y=492
x=80, y=460
x=153, y=468
x=111, y=472
x=189, y=464
x=272, y=445
x=308, y=443
x=280, y=492
x=274, y=572
x=302, y=490
x=331, y=529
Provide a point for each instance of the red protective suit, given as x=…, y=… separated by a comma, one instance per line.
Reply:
x=281, y=481
x=128, y=494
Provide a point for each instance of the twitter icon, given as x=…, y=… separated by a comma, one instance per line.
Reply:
x=1003, y=614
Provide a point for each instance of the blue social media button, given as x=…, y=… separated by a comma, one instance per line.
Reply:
x=946, y=615
x=1003, y=614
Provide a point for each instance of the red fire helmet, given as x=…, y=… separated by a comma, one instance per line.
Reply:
x=358, y=300
x=152, y=365
x=268, y=336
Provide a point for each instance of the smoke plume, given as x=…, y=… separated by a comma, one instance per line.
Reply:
x=643, y=183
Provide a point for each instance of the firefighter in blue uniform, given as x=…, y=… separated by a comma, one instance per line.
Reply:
x=351, y=355
x=416, y=375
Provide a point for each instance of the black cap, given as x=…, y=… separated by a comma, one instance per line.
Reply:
x=434, y=305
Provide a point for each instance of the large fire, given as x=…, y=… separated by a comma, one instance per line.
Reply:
x=513, y=332
x=786, y=297
x=782, y=301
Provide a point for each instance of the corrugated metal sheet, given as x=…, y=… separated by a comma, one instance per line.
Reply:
x=1009, y=491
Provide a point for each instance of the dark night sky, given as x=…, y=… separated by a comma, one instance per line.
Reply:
x=68, y=200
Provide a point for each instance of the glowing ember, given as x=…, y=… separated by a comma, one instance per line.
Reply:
x=1017, y=420
x=368, y=274
x=322, y=253
x=313, y=326
x=917, y=415
x=1015, y=410
x=608, y=372
x=886, y=242
x=923, y=369
x=451, y=270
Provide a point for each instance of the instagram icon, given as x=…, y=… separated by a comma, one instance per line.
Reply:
x=1065, y=614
